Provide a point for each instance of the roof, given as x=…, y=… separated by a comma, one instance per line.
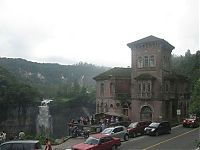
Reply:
x=149, y=39
x=175, y=76
x=116, y=72
x=145, y=76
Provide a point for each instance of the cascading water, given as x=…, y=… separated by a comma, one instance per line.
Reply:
x=44, y=119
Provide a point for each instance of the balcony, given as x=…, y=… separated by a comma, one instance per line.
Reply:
x=145, y=95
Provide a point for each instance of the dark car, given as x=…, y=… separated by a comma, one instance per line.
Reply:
x=137, y=128
x=21, y=145
x=157, y=128
x=191, y=122
x=98, y=142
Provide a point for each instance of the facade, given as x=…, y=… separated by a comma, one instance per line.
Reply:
x=155, y=92
x=113, y=91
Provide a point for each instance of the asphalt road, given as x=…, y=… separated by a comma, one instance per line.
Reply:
x=179, y=139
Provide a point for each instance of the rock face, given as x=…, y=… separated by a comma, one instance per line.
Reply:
x=14, y=123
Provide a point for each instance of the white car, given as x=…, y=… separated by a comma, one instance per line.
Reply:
x=118, y=132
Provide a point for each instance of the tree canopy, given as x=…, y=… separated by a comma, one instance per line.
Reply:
x=195, y=104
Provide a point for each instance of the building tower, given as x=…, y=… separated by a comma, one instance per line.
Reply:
x=151, y=64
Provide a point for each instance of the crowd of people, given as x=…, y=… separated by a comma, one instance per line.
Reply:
x=103, y=122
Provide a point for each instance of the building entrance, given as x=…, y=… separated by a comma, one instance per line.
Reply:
x=146, y=113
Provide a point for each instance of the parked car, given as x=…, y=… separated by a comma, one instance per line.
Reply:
x=136, y=128
x=157, y=128
x=118, y=131
x=191, y=122
x=21, y=145
x=98, y=142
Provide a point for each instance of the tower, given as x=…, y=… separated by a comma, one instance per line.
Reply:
x=150, y=64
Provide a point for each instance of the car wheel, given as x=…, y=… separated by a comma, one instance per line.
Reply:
x=114, y=147
x=157, y=134
x=169, y=132
x=86, y=135
x=134, y=134
x=126, y=137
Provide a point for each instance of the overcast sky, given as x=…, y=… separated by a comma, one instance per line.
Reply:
x=93, y=31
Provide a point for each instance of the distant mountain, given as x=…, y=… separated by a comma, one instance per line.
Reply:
x=49, y=77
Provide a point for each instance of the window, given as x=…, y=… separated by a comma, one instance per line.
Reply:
x=148, y=87
x=17, y=146
x=166, y=86
x=152, y=61
x=6, y=147
x=146, y=61
x=144, y=89
x=140, y=62
x=111, y=88
x=102, y=89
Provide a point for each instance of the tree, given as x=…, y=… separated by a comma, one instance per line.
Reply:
x=195, y=104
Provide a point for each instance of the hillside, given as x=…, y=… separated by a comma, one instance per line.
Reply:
x=49, y=78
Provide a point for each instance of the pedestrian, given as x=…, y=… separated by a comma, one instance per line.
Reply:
x=48, y=144
x=21, y=135
x=4, y=136
x=1, y=137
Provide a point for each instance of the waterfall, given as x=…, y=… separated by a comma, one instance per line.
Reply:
x=44, y=119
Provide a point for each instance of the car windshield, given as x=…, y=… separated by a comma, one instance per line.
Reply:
x=154, y=125
x=133, y=125
x=92, y=141
x=107, y=131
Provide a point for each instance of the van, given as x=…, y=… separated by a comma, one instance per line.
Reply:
x=21, y=145
x=157, y=128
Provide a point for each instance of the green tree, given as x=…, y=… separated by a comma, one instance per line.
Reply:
x=195, y=104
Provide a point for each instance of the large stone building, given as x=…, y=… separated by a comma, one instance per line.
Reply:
x=149, y=90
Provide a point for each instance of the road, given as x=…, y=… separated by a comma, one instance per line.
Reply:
x=179, y=139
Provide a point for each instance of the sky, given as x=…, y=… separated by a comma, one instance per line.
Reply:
x=93, y=31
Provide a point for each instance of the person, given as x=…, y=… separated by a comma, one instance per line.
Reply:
x=21, y=135
x=48, y=144
x=4, y=136
x=1, y=137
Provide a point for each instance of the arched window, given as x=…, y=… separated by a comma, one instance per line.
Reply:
x=102, y=89
x=140, y=64
x=146, y=113
x=152, y=61
x=111, y=88
x=146, y=61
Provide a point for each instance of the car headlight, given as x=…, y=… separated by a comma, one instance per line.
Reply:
x=152, y=130
x=192, y=121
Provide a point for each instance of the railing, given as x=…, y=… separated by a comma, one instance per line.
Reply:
x=145, y=95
